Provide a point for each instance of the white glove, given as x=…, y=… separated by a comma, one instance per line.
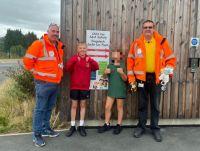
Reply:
x=168, y=70
x=164, y=78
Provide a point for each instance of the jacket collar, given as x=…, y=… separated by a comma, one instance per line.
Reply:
x=81, y=57
x=158, y=37
x=47, y=41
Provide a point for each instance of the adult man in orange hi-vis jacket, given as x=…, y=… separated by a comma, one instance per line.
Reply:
x=44, y=58
x=150, y=63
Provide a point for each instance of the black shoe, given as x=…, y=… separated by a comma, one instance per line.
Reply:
x=117, y=129
x=81, y=130
x=138, y=132
x=104, y=128
x=71, y=131
x=157, y=135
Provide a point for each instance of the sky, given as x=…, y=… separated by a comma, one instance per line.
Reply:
x=28, y=15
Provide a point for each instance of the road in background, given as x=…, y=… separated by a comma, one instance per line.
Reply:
x=5, y=64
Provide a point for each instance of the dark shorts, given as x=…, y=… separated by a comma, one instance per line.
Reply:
x=79, y=94
x=117, y=97
x=121, y=98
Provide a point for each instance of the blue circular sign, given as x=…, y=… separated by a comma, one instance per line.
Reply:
x=194, y=41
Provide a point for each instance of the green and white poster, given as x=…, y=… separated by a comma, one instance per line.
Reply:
x=98, y=48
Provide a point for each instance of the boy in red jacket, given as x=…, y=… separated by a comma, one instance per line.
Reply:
x=80, y=67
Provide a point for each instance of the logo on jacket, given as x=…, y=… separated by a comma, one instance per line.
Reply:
x=51, y=53
x=139, y=51
x=60, y=65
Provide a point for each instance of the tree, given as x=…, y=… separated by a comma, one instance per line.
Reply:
x=2, y=52
x=16, y=42
x=28, y=39
x=13, y=38
x=17, y=51
x=1, y=43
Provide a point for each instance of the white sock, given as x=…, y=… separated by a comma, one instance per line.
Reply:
x=108, y=123
x=72, y=123
x=81, y=122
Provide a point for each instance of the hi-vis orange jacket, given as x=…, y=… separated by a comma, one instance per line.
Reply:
x=44, y=60
x=136, y=61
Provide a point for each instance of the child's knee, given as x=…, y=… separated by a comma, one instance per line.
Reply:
x=74, y=106
x=107, y=108
x=120, y=107
x=83, y=105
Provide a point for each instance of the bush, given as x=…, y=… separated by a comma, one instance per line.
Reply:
x=3, y=55
x=23, y=87
x=3, y=121
x=3, y=124
x=17, y=102
x=17, y=51
x=15, y=114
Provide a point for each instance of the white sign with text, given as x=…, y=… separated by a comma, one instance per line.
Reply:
x=98, y=45
x=98, y=39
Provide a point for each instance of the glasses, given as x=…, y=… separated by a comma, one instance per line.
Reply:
x=148, y=27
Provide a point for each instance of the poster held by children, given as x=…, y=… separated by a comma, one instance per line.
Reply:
x=98, y=44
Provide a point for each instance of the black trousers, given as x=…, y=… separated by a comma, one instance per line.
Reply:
x=146, y=90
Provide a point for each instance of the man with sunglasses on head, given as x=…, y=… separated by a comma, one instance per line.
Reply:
x=44, y=58
x=150, y=63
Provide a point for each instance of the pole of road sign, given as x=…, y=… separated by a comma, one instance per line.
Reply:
x=194, y=62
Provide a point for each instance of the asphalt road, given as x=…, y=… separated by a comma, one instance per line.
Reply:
x=174, y=139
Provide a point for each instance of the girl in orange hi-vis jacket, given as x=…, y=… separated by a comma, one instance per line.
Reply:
x=150, y=62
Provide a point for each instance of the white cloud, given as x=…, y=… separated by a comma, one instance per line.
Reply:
x=3, y=29
x=28, y=15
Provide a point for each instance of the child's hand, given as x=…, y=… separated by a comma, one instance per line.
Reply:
x=120, y=71
x=107, y=71
x=133, y=86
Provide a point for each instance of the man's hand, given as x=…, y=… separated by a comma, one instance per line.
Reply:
x=120, y=71
x=164, y=78
x=168, y=71
x=107, y=71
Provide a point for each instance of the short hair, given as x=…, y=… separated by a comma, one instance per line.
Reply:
x=148, y=21
x=120, y=52
x=81, y=43
x=53, y=24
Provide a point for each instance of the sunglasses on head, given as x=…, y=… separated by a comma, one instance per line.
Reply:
x=148, y=27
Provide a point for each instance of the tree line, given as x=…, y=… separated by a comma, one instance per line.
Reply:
x=15, y=43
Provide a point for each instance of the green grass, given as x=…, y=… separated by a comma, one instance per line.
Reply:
x=4, y=55
x=16, y=113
